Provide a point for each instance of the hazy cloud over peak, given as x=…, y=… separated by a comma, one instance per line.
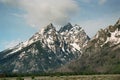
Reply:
x=42, y=12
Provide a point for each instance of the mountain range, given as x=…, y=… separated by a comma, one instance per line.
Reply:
x=100, y=55
x=67, y=50
x=45, y=51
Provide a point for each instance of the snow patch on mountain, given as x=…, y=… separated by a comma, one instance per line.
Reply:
x=46, y=49
x=75, y=46
x=115, y=37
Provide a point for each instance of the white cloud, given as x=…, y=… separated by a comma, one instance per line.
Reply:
x=42, y=12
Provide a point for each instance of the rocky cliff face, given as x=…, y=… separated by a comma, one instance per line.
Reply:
x=45, y=51
x=101, y=54
x=66, y=50
x=105, y=38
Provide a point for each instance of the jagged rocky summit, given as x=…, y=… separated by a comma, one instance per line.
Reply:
x=66, y=50
x=45, y=51
x=100, y=55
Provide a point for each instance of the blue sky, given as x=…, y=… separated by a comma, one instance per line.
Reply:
x=91, y=16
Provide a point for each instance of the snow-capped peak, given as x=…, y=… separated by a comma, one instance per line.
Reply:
x=47, y=29
x=46, y=49
x=109, y=35
x=67, y=27
x=76, y=28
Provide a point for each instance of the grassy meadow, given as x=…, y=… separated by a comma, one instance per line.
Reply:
x=77, y=77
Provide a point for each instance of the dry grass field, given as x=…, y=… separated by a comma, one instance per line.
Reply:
x=78, y=77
